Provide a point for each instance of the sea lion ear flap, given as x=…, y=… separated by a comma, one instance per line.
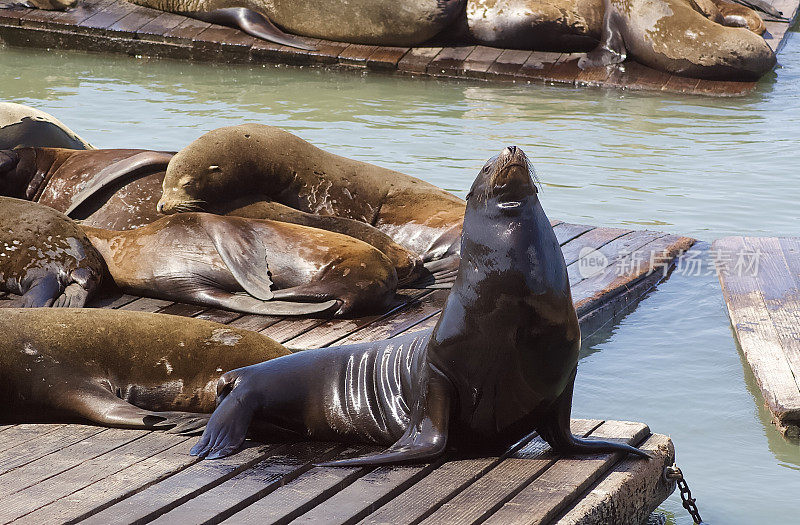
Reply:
x=242, y=252
x=426, y=436
x=8, y=160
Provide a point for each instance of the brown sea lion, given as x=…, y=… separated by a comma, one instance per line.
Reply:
x=285, y=269
x=283, y=168
x=116, y=189
x=118, y=368
x=500, y=363
x=24, y=126
x=375, y=22
x=675, y=36
x=45, y=257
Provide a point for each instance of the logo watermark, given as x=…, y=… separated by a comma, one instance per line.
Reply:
x=718, y=262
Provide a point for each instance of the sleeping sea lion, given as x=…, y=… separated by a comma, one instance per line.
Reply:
x=117, y=189
x=499, y=364
x=45, y=257
x=118, y=368
x=24, y=126
x=675, y=36
x=286, y=169
x=285, y=269
x=357, y=21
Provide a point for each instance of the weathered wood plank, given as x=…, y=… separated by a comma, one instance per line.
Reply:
x=479, y=61
x=449, y=61
x=179, y=488
x=386, y=57
x=418, y=59
x=26, y=501
x=114, y=300
x=565, y=232
x=29, y=442
x=356, y=54
x=564, y=481
x=629, y=492
x=621, y=246
x=243, y=489
x=116, y=487
x=146, y=304
x=481, y=498
x=589, y=241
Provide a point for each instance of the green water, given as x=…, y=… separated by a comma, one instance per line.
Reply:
x=693, y=165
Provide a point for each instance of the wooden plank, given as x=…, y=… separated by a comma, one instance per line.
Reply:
x=146, y=304
x=564, y=70
x=449, y=61
x=326, y=52
x=723, y=89
x=386, y=57
x=489, y=492
x=304, y=493
x=590, y=240
x=563, y=482
x=183, y=310
x=418, y=59
x=479, y=61
x=68, y=457
x=38, y=18
x=630, y=491
x=31, y=442
x=122, y=484
x=682, y=85
x=289, y=328
x=113, y=301
x=593, y=76
x=254, y=322
x=251, y=485
x=157, y=28
x=106, y=17
x=186, y=31
x=356, y=54
x=132, y=22
x=508, y=63
x=758, y=337
x=222, y=44
x=12, y=15
x=219, y=316
x=537, y=63
x=566, y=232
x=34, y=497
x=179, y=488
x=633, y=241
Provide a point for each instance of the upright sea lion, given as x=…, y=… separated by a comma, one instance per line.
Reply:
x=499, y=364
x=285, y=269
x=675, y=36
x=117, y=189
x=24, y=126
x=286, y=169
x=117, y=368
x=375, y=22
x=45, y=257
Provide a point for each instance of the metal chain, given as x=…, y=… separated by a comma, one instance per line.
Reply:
x=689, y=503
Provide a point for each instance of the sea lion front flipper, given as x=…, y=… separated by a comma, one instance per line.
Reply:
x=611, y=49
x=426, y=436
x=251, y=22
x=242, y=252
x=42, y=292
x=554, y=428
x=245, y=303
x=440, y=273
x=125, y=169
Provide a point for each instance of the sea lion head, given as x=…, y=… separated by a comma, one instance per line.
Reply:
x=505, y=182
x=219, y=166
x=9, y=183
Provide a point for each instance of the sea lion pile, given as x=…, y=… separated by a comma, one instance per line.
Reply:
x=499, y=364
x=709, y=39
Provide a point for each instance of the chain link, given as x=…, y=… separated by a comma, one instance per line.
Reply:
x=689, y=503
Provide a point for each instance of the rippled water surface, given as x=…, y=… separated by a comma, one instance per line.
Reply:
x=693, y=165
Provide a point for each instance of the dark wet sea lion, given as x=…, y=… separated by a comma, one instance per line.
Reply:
x=285, y=269
x=118, y=368
x=378, y=22
x=45, y=257
x=675, y=36
x=288, y=170
x=106, y=188
x=24, y=126
x=500, y=363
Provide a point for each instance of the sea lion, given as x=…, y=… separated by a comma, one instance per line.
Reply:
x=499, y=364
x=285, y=269
x=45, y=257
x=24, y=126
x=286, y=169
x=676, y=37
x=408, y=23
x=116, y=189
x=118, y=368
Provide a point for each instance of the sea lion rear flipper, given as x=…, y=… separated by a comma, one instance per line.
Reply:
x=611, y=49
x=425, y=438
x=242, y=252
x=554, y=428
x=251, y=22
x=42, y=293
x=125, y=169
x=440, y=273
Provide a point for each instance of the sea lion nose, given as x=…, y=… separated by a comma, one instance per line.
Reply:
x=511, y=149
x=160, y=207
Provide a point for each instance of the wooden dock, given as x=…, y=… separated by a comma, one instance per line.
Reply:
x=760, y=279
x=121, y=27
x=65, y=473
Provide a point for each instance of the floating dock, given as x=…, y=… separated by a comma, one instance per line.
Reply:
x=68, y=473
x=760, y=278
x=121, y=27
